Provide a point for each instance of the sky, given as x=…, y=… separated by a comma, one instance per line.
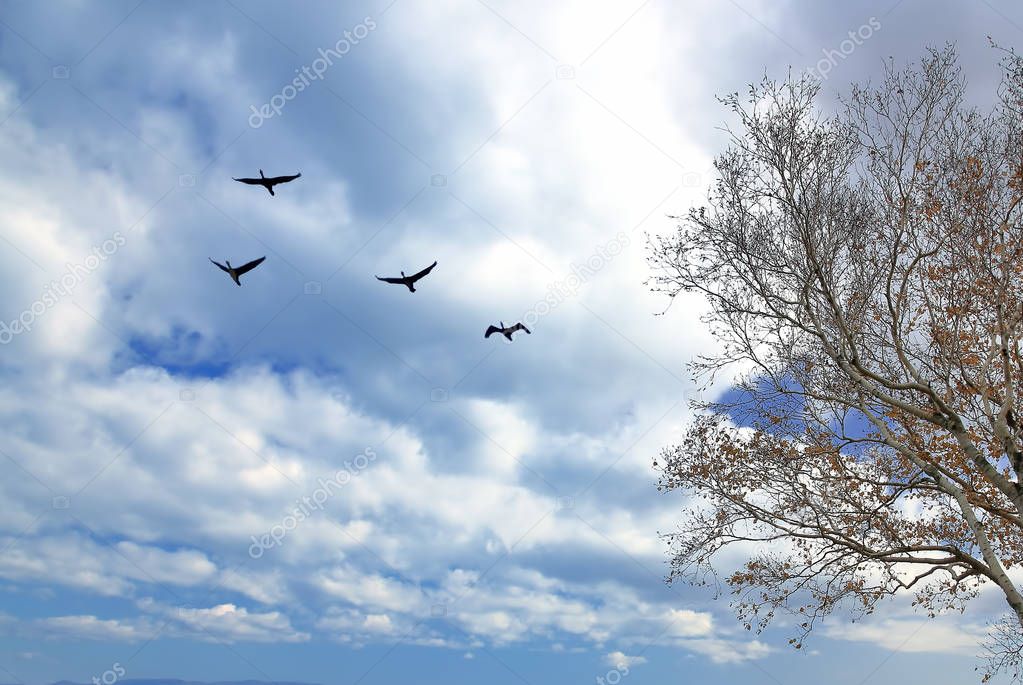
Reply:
x=320, y=477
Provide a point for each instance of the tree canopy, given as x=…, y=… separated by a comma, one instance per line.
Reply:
x=863, y=275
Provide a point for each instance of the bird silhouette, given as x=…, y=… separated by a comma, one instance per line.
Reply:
x=267, y=183
x=235, y=271
x=506, y=332
x=408, y=281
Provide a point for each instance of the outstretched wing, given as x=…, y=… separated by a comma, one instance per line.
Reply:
x=491, y=330
x=222, y=267
x=416, y=277
x=250, y=181
x=283, y=179
x=519, y=327
x=391, y=280
x=250, y=266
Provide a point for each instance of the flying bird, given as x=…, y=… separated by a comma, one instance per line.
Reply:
x=408, y=281
x=506, y=332
x=235, y=271
x=267, y=183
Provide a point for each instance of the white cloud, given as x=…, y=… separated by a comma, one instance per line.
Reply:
x=378, y=623
x=940, y=635
x=722, y=651
x=458, y=512
x=221, y=623
x=621, y=660
x=371, y=590
x=92, y=628
x=228, y=622
x=687, y=623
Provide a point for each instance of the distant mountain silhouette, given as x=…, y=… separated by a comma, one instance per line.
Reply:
x=177, y=681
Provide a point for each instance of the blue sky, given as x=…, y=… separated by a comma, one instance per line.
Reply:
x=159, y=419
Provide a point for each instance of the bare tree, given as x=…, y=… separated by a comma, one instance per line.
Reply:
x=863, y=274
